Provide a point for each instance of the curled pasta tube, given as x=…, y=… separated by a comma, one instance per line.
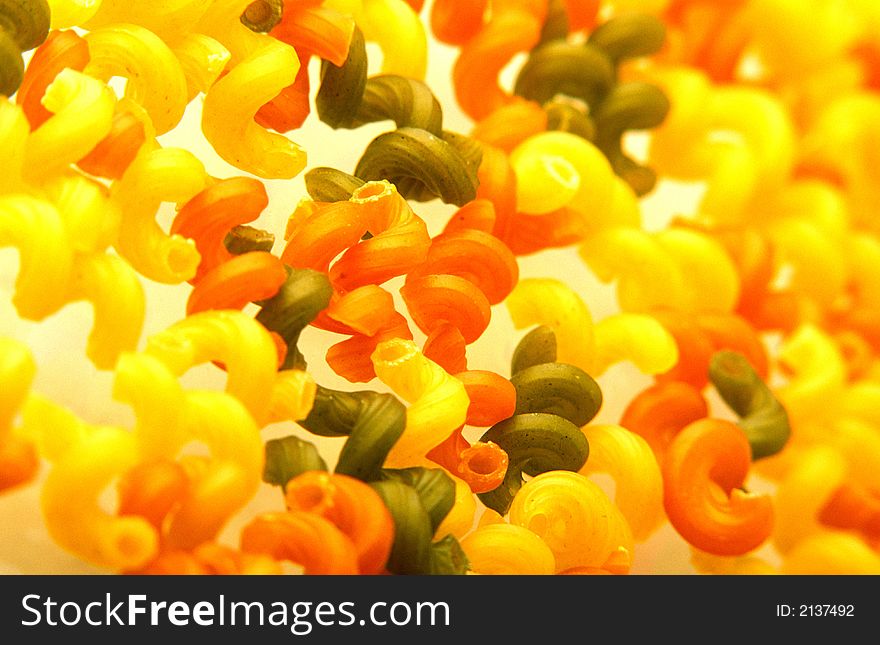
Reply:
x=438, y=401
x=223, y=483
x=659, y=412
x=36, y=229
x=238, y=341
x=18, y=458
x=634, y=337
x=156, y=397
x=575, y=519
x=260, y=68
x=163, y=17
x=573, y=157
x=85, y=460
x=508, y=549
x=562, y=311
x=155, y=176
x=353, y=506
x=304, y=538
x=82, y=110
x=629, y=460
x=116, y=294
x=395, y=28
x=202, y=60
x=818, y=374
x=154, y=78
x=763, y=418
x=703, y=472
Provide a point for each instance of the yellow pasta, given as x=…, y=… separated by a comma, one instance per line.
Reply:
x=202, y=60
x=629, y=460
x=163, y=17
x=396, y=29
x=831, y=553
x=82, y=110
x=508, y=549
x=14, y=132
x=35, y=227
x=460, y=519
x=157, y=175
x=575, y=518
x=802, y=494
x=292, y=396
x=233, y=338
x=259, y=69
x=85, y=461
x=223, y=483
x=545, y=301
x=633, y=337
x=438, y=401
x=154, y=78
x=70, y=13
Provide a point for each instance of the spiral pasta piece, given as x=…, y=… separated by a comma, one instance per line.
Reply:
x=304, y=538
x=157, y=175
x=575, y=519
x=353, y=507
x=154, y=76
x=264, y=66
x=85, y=459
x=629, y=460
x=703, y=472
x=438, y=401
x=243, y=346
x=82, y=110
x=659, y=412
x=508, y=549
x=36, y=229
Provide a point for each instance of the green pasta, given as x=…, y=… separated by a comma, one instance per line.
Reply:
x=26, y=22
x=420, y=165
x=566, y=116
x=560, y=389
x=535, y=443
x=407, y=102
x=556, y=25
x=11, y=65
x=535, y=348
x=342, y=88
x=288, y=457
x=303, y=295
x=330, y=185
x=246, y=239
x=762, y=417
x=629, y=35
x=579, y=71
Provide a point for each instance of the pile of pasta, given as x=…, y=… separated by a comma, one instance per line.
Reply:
x=753, y=314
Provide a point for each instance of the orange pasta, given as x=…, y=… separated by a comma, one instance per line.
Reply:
x=209, y=216
x=319, y=30
x=482, y=466
x=353, y=507
x=703, y=473
x=434, y=298
x=659, y=412
x=511, y=124
x=115, y=152
x=152, y=490
x=446, y=346
x=60, y=50
x=242, y=279
x=853, y=508
x=511, y=30
x=492, y=397
x=456, y=21
x=289, y=110
x=304, y=538
x=478, y=214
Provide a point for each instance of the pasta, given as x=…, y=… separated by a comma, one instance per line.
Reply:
x=589, y=280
